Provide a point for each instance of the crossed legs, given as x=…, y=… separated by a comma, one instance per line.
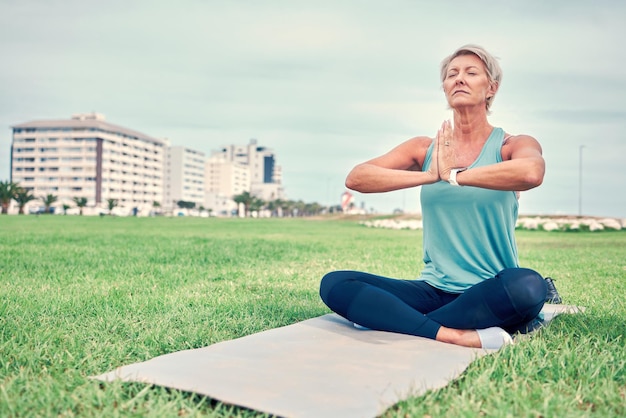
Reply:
x=514, y=296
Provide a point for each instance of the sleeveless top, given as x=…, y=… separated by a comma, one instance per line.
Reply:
x=468, y=231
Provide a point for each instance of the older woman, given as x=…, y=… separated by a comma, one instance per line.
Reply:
x=471, y=291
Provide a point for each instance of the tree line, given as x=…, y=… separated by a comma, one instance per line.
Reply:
x=276, y=207
x=13, y=191
x=22, y=196
x=252, y=203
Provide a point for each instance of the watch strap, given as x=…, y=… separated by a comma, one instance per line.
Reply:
x=452, y=180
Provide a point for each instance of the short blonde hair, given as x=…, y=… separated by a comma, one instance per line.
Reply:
x=494, y=72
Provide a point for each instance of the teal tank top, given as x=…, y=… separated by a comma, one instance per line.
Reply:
x=468, y=231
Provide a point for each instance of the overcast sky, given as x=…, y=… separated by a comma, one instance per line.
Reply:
x=328, y=84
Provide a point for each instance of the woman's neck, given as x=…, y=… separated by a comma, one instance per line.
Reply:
x=471, y=127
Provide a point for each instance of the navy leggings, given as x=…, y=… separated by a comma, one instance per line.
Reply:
x=509, y=300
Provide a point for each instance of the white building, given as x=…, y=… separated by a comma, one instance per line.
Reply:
x=184, y=177
x=226, y=177
x=87, y=157
x=265, y=176
x=223, y=180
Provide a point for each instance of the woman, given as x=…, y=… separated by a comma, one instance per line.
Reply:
x=471, y=291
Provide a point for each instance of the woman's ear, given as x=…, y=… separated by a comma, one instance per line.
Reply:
x=493, y=88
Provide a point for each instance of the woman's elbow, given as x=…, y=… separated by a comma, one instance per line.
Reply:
x=534, y=175
x=353, y=180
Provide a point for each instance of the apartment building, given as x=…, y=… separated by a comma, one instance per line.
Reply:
x=224, y=179
x=265, y=175
x=88, y=157
x=184, y=177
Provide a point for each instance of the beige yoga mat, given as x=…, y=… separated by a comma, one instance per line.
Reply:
x=321, y=367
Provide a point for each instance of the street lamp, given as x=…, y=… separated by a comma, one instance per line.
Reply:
x=580, y=180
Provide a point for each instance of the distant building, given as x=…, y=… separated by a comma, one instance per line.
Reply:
x=265, y=176
x=226, y=177
x=87, y=157
x=223, y=180
x=184, y=177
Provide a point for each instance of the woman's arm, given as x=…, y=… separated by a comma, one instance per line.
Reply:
x=400, y=168
x=522, y=168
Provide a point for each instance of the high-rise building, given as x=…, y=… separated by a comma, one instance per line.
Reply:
x=265, y=175
x=184, y=177
x=223, y=180
x=226, y=177
x=87, y=157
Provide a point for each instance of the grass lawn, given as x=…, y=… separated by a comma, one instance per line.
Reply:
x=80, y=296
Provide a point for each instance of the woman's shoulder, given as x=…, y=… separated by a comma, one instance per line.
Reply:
x=510, y=139
x=417, y=143
x=421, y=141
x=411, y=151
x=515, y=142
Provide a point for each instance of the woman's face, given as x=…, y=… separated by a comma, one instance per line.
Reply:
x=467, y=83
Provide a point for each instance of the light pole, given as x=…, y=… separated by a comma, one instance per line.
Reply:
x=580, y=180
x=328, y=199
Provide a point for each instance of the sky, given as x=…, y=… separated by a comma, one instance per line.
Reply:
x=329, y=84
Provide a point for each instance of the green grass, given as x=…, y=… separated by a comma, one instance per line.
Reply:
x=80, y=296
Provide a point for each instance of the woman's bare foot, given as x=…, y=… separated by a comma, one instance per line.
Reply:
x=492, y=338
x=464, y=337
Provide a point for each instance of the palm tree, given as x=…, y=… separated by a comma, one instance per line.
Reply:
x=157, y=208
x=48, y=200
x=299, y=207
x=256, y=204
x=81, y=202
x=287, y=207
x=311, y=209
x=246, y=198
x=183, y=204
x=111, y=204
x=22, y=197
x=65, y=208
x=7, y=193
x=271, y=206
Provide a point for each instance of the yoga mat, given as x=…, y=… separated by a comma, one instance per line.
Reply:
x=321, y=367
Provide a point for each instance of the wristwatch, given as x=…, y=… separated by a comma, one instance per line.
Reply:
x=453, y=173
